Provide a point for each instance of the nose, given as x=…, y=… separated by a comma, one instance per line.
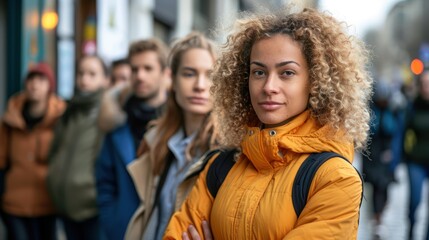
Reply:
x=140, y=74
x=201, y=83
x=86, y=78
x=270, y=86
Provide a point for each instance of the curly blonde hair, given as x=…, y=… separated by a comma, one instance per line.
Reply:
x=340, y=84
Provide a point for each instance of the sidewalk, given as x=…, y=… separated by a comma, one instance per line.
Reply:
x=395, y=221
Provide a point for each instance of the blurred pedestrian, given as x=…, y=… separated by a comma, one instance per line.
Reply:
x=377, y=164
x=26, y=132
x=287, y=85
x=124, y=115
x=416, y=148
x=120, y=72
x=71, y=176
x=172, y=148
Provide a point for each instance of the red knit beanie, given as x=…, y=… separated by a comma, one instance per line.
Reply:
x=44, y=69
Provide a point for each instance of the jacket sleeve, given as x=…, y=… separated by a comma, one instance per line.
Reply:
x=332, y=209
x=111, y=113
x=194, y=210
x=106, y=186
x=4, y=148
x=4, y=142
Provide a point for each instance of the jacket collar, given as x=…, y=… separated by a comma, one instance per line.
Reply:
x=271, y=148
x=13, y=116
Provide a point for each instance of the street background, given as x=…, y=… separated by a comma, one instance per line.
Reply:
x=394, y=220
x=61, y=31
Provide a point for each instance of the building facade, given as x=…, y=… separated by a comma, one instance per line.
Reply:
x=103, y=27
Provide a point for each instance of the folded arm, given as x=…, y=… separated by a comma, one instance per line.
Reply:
x=194, y=210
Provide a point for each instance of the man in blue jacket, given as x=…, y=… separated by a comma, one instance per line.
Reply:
x=124, y=114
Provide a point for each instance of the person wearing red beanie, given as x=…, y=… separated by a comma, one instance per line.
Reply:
x=26, y=133
x=43, y=69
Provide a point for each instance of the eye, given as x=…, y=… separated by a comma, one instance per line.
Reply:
x=258, y=73
x=288, y=73
x=188, y=74
x=148, y=68
x=134, y=70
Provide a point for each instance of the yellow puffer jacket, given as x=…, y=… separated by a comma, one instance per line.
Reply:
x=254, y=201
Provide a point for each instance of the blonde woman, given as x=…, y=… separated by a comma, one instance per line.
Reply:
x=287, y=85
x=172, y=148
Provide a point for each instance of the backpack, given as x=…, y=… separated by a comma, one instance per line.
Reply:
x=225, y=161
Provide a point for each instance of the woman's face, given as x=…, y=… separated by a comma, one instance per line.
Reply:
x=37, y=88
x=192, y=82
x=278, y=79
x=90, y=76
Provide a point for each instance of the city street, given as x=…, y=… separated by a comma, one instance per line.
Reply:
x=395, y=222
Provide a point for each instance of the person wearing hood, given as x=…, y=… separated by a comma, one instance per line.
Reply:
x=286, y=85
x=125, y=112
x=71, y=174
x=26, y=132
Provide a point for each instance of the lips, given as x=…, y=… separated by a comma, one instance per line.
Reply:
x=270, y=105
x=197, y=100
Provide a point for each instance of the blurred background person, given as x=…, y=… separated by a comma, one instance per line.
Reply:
x=26, y=132
x=173, y=147
x=71, y=177
x=124, y=115
x=120, y=72
x=376, y=164
x=416, y=148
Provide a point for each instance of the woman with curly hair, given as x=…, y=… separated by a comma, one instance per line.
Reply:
x=171, y=150
x=286, y=85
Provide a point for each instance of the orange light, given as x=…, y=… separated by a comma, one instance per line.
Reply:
x=49, y=20
x=417, y=66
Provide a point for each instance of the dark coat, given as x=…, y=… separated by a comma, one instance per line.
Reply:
x=416, y=139
x=376, y=165
x=117, y=197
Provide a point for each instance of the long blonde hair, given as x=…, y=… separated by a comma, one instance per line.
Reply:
x=172, y=119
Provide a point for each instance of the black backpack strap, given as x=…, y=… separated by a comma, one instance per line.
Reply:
x=219, y=169
x=305, y=175
x=205, y=158
x=169, y=160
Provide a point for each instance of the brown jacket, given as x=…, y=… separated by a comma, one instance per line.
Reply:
x=25, y=153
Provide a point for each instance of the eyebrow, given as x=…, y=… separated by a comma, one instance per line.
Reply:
x=189, y=69
x=277, y=65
